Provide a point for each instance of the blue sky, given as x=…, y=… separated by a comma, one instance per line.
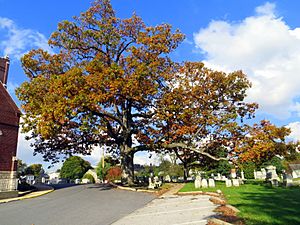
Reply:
x=261, y=38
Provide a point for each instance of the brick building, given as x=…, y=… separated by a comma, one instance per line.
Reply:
x=9, y=126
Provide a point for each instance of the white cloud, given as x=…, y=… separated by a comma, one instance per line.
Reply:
x=25, y=152
x=143, y=158
x=95, y=156
x=266, y=9
x=17, y=41
x=266, y=49
x=295, y=131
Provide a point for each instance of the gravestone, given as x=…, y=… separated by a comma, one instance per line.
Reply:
x=233, y=173
x=254, y=174
x=204, y=183
x=243, y=175
x=287, y=180
x=241, y=181
x=198, y=182
x=211, y=183
x=259, y=175
x=228, y=183
x=224, y=178
x=218, y=176
x=264, y=173
x=271, y=173
x=168, y=178
x=274, y=182
x=151, y=184
x=235, y=182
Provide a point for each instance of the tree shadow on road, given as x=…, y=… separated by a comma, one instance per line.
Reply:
x=61, y=186
x=102, y=187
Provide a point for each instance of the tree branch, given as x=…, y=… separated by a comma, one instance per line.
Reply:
x=198, y=150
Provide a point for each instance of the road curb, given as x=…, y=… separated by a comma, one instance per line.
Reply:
x=31, y=195
x=132, y=189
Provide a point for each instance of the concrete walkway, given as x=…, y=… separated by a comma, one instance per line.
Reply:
x=171, y=209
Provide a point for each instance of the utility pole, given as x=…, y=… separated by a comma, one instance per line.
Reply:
x=103, y=149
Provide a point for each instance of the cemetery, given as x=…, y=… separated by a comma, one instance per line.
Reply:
x=120, y=86
x=258, y=199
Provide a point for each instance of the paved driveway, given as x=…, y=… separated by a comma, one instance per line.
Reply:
x=77, y=205
x=172, y=210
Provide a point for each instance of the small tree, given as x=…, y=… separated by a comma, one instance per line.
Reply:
x=89, y=177
x=114, y=173
x=34, y=169
x=102, y=168
x=21, y=168
x=74, y=168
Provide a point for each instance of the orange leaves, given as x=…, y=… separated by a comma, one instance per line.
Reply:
x=264, y=141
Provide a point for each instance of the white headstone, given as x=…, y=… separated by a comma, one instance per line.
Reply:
x=287, y=180
x=151, y=184
x=264, y=173
x=228, y=183
x=168, y=178
x=218, y=176
x=259, y=175
x=233, y=173
x=204, y=183
x=271, y=173
x=242, y=175
x=235, y=182
x=254, y=173
x=211, y=183
x=198, y=182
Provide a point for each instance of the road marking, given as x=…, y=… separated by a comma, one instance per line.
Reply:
x=191, y=222
x=173, y=211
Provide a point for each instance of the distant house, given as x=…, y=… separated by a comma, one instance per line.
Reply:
x=9, y=127
x=53, y=178
x=295, y=168
x=30, y=179
x=43, y=178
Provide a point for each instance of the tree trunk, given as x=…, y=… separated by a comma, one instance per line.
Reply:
x=185, y=172
x=127, y=167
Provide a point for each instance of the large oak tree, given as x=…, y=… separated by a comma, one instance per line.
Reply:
x=111, y=81
x=99, y=87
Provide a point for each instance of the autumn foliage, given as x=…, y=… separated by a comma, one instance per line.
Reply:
x=263, y=142
x=111, y=82
x=114, y=173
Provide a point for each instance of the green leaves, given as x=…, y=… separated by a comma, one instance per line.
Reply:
x=74, y=168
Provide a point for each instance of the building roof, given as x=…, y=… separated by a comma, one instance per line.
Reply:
x=9, y=99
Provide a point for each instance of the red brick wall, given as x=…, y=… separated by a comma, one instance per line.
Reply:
x=8, y=146
x=9, y=121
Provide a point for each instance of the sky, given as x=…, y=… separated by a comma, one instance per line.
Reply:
x=261, y=38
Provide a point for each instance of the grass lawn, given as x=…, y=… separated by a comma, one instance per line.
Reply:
x=260, y=204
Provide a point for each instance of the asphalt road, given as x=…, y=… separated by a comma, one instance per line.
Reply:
x=77, y=205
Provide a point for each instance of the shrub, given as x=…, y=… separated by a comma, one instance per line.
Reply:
x=102, y=172
x=114, y=173
x=89, y=176
x=248, y=168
